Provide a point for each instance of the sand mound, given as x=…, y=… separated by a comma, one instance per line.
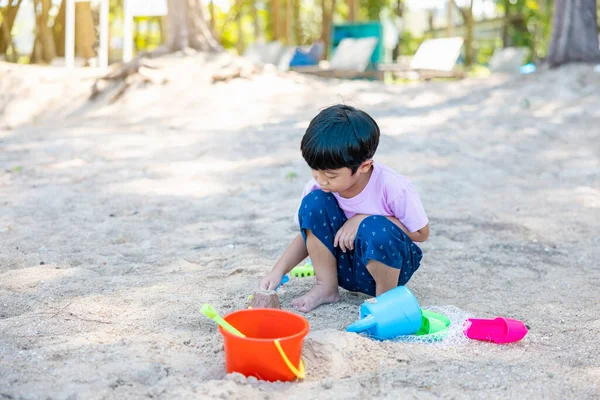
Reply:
x=118, y=221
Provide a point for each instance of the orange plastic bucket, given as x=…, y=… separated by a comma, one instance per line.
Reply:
x=257, y=354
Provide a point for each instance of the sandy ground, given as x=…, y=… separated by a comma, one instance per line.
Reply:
x=118, y=222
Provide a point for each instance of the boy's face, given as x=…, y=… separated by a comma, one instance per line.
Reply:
x=340, y=180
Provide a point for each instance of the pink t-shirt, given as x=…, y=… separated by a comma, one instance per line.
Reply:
x=387, y=193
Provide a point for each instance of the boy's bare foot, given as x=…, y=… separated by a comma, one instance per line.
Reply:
x=318, y=295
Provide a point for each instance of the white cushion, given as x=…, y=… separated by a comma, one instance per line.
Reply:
x=509, y=59
x=353, y=54
x=437, y=54
x=265, y=53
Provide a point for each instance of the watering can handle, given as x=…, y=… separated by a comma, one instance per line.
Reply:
x=362, y=324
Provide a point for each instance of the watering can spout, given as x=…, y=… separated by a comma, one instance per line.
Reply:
x=362, y=324
x=393, y=313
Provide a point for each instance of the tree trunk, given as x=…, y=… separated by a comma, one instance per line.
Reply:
x=352, y=10
x=469, y=22
x=399, y=13
x=450, y=23
x=275, y=20
x=467, y=15
x=288, y=22
x=255, y=21
x=506, y=25
x=8, y=19
x=575, y=33
x=298, y=35
x=327, y=18
x=211, y=9
x=58, y=29
x=188, y=28
x=430, y=21
x=43, y=46
x=239, y=5
x=85, y=35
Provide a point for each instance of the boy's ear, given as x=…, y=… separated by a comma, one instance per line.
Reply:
x=365, y=166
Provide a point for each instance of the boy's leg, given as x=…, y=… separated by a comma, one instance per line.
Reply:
x=388, y=255
x=320, y=218
x=326, y=285
x=386, y=278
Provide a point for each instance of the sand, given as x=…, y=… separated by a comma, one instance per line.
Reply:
x=117, y=222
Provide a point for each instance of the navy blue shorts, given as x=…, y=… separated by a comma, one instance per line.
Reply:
x=377, y=239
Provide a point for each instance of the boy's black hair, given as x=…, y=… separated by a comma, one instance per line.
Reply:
x=340, y=136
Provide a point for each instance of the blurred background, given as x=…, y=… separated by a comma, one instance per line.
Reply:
x=35, y=31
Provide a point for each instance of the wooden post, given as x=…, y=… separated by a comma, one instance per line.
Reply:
x=352, y=10
x=211, y=9
x=255, y=20
x=275, y=15
x=450, y=31
x=298, y=36
x=238, y=21
x=103, y=50
x=288, y=21
x=327, y=11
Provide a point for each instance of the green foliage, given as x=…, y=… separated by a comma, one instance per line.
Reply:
x=484, y=49
x=147, y=33
x=227, y=27
x=528, y=25
x=372, y=8
x=409, y=43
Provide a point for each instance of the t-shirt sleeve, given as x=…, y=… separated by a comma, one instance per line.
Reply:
x=407, y=207
x=310, y=186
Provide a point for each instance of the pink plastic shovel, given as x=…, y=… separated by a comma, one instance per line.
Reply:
x=498, y=330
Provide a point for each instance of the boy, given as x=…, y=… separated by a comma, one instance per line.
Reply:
x=359, y=220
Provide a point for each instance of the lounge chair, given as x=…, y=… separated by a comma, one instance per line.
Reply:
x=351, y=59
x=508, y=60
x=265, y=53
x=435, y=58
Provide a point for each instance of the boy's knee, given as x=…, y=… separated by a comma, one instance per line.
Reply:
x=316, y=201
x=316, y=197
x=376, y=230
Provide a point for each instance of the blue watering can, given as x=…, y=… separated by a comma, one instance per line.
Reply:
x=389, y=315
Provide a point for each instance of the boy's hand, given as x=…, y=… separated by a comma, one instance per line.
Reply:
x=347, y=233
x=270, y=281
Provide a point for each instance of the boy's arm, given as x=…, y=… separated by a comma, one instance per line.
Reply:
x=295, y=253
x=418, y=236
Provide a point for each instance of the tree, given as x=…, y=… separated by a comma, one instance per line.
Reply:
x=327, y=10
x=575, y=33
x=255, y=21
x=298, y=34
x=399, y=12
x=188, y=27
x=43, y=46
x=467, y=16
x=275, y=20
x=8, y=14
x=85, y=35
x=352, y=9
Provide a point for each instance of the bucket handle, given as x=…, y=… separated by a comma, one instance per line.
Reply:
x=299, y=372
